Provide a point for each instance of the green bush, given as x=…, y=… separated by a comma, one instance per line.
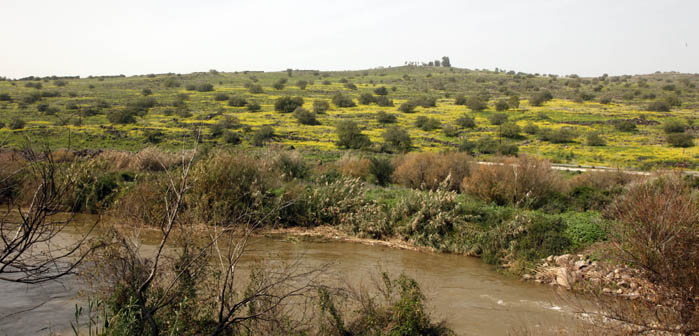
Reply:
x=305, y=117
x=561, y=135
x=427, y=124
x=366, y=98
x=256, y=89
x=510, y=130
x=262, y=135
x=221, y=97
x=381, y=170
x=320, y=106
x=540, y=98
x=205, y=87
x=450, y=131
x=466, y=121
x=350, y=136
x=502, y=105
x=236, y=101
x=584, y=229
x=5, y=97
x=384, y=101
x=658, y=106
x=287, y=104
x=476, y=103
x=681, y=140
x=254, y=107
x=302, y=84
x=531, y=128
x=498, y=118
x=231, y=138
x=386, y=118
x=341, y=100
x=121, y=116
x=407, y=107
x=487, y=145
x=381, y=91
x=673, y=126
x=16, y=123
x=625, y=126
x=595, y=139
x=460, y=100
x=397, y=139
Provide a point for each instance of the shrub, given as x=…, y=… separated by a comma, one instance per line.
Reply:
x=427, y=124
x=341, y=100
x=31, y=98
x=508, y=149
x=350, y=136
x=221, y=97
x=302, y=84
x=658, y=106
x=525, y=181
x=205, y=87
x=381, y=169
x=584, y=229
x=487, y=145
x=320, y=106
x=595, y=139
x=287, y=104
x=353, y=166
x=407, y=107
x=386, y=118
x=384, y=101
x=498, y=118
x=350, y=86
x=625, y=126
x=16, y=123
x=121, y=116
x=460, y=100
x=531, y=128
x=510, y=130
x=425, y=101
x=291, y=166
x=231, y=138
x=5, y=97
x=673, y=126
x=278, y=85
x=681, y=140
x=450, y=131
x=467, y=146
x=397, y=139
x=502, y=105
x=262, y=135
x=236, y=101
x=656, y=230
x=513, y=102
x=305, y=117
x=561, y=135
x=466, y=121
x=254, y=107
x=429, y=170
x=146, y=92
x=540, y=98
x=256, y=89
x=605, y=100
x=366, y=98
x=476, y=103
x=381, y=91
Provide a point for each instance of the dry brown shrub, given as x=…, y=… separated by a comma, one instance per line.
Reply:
x=147, y=159
x=353, y=166
x=526, y=181
x=657, y=231
x=428, y=170
x=63, y=155
x=11, y=175
x=117, y=159
x=142, y=203
x=602, y=180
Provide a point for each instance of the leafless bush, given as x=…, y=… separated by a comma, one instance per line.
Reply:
x=429, y=170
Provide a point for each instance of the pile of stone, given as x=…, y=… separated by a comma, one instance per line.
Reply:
x=579, y=271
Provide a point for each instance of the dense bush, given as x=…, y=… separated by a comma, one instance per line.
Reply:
x=262, y=135
x=305, y=117
x=460, y=100
x=381, y=170
x=450, y=131
x=407, y=107
x=427, y=123
x=350, y=136
x=287, y=104
x=625, y=125
x=366, y=98
x=502, y=105
x=498, y=118
x=531, y=128
x=302, y=84
x=595, y=139
x=381, y=91
x=121, y=116
x=658, y=106
x=525, y=181
x=205, y=87
x=673, y=126
x=540, y=98
x=510, y=130
x=584, y=229
x=341, y=100
x=397, y=139
x=5, y=97
x=466, y=121
x=476, y=103
x=320, y=106
x=386, y=118
x=221, y=97
x=682, y=140
x=430, y=170
x=16, y=123
x=256, y=89
x=561, y=135
x=232, y=138
x=254, y=107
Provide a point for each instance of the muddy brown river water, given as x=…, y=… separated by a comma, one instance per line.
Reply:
x=471, y=296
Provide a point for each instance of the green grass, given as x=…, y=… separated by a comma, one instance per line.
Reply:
x=644, y=148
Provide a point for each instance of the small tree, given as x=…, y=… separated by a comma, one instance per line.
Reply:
x=320, y=106
x=381, y=91
x=262, y=135
x=385, y=118
x=595, y=139
x=501, y=105
x=510, y=130
x=398, y=139
x=341, y=100
x=350, y=136
x=366, y=98
x=302, y=84
x=466, y=121
x=498, y=118
x=287, y=104
x=407, y=107
x=381, y=169
x=305, y=117
x=673, y=126
x=513, y=102
x=681, y=140
x=475, y=103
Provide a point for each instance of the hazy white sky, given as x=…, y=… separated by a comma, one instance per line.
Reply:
x=93, y=37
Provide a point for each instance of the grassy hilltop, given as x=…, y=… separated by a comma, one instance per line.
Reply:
x=644, y=121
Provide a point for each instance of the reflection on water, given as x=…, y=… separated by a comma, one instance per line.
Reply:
x=471, y=296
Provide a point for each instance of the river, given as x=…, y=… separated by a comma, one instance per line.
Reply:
x=471, y=296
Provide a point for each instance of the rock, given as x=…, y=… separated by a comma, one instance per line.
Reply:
x=527, y=277
x=606, y=290
x=580, y=264
x=562, y=277
x=563, y=260
x=549, y=258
